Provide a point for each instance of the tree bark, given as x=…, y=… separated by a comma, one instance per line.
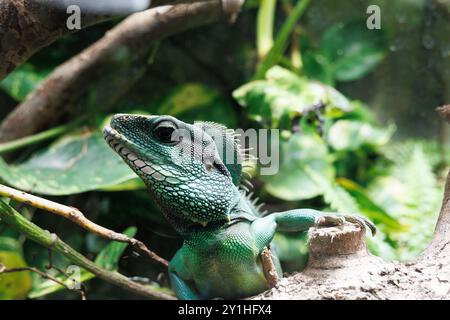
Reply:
x=26, y=26
x=340, y=267
x=109, y=67
x=29, y=25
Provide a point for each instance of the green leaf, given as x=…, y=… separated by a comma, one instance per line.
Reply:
x=73, y=164
x=333, y=194
x=22, y=81
x=370, y=209
x=292, y=182
x=352, y=50
x=411, y=194
x=13, y=285
x=380, y=246
x=196, y=102
x=285, y=93
x=108, y=258
x=400, y=152
x=351, y=135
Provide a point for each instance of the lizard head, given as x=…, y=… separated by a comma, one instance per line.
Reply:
x=179, y=163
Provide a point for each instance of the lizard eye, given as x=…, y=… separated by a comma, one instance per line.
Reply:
x=164, y=131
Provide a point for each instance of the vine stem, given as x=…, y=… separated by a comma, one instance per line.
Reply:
x=76, y=216
x=281, y=41
x=50, y=240
x=39, y=137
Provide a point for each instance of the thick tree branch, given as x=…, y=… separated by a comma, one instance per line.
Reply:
x=26, y=26
x=439, y=247
x=16, y=221
x=29, y=25
x=110, y=66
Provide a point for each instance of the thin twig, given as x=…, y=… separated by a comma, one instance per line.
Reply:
x=76, y=216
x=44, y=275
x=33, y=232
x=52, y=266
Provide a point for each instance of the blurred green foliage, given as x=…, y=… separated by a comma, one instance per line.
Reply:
x=334, y=153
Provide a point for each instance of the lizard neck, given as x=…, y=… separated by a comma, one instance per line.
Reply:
x=238, y=211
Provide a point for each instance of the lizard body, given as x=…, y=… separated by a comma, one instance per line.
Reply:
x=198, y=192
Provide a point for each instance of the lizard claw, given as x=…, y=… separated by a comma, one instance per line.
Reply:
x=332, y=220
x=362, y=222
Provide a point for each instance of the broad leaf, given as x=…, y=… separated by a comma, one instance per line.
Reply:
x=292, y=182
x=352, y=50
x=366, y=205
x=196, y=102
x=73, y=164
x=22, y=81
x=284, y=93
x=13, y=285
x=351, y=135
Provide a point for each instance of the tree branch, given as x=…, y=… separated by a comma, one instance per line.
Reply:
x=75, y=215
x=340, y=267
x=439, y=247
x=16, y=221
x=29, y=25
x=110, y=66
x=26, y=26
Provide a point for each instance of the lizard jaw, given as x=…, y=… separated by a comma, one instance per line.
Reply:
x=119, y=144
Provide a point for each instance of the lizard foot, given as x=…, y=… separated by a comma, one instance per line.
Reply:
x=332, y=220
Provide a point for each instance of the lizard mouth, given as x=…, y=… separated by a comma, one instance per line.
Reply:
x=129, y=152
x=120, y=144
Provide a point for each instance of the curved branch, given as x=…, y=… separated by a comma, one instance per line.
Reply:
x=26, y=26
x=439, y=247
x=75, y=215
x=111, y=66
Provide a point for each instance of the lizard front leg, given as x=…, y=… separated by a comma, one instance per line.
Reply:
x=179, y=277
x=301, y=220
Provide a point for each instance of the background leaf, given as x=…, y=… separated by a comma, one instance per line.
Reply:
x=22, y=81
x=352, y=49
x=13, y=285
x=73, y=164
x=351, y=135
x=285, y=93
x=292, y=182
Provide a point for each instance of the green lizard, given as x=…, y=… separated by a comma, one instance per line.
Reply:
x=198, y=192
